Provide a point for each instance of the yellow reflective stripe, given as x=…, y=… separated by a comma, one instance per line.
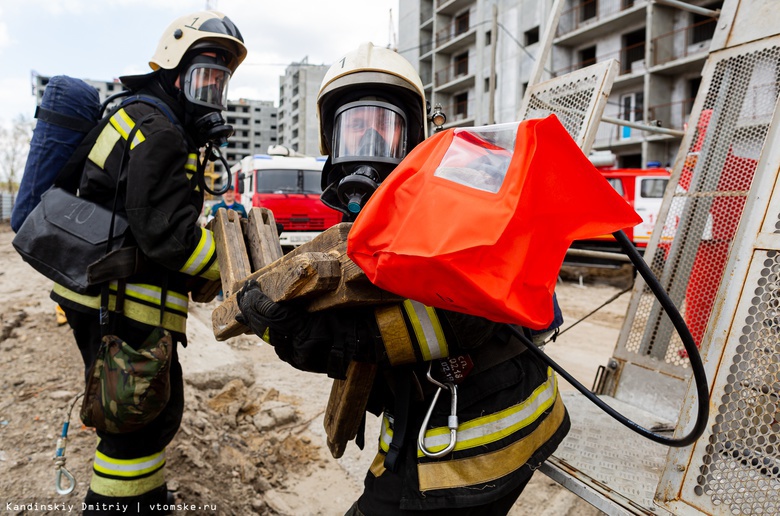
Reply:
x=153, y=294
x=192, y=163
x=202, y=253
x=212, y=273
x=395, y=335
x=427, y=329
x=493, y=427
x=487, y=467
x=128, y=467
x=103, y=146
x=124, y=124
x=386, y=436
x=117, y=488
x=132, y=309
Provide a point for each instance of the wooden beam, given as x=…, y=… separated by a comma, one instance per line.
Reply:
x=347, y=405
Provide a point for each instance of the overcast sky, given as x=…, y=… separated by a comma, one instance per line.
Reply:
x=103, y=39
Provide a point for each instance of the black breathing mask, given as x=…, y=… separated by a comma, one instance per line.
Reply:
x=204, y=83
x=369, y=141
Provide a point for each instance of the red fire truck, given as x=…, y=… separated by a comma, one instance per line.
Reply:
x=289, y=185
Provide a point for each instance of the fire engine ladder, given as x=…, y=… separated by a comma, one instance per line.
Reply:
x=716, y=250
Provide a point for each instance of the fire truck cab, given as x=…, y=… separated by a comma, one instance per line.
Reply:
x=643, y=189
x=288, y=184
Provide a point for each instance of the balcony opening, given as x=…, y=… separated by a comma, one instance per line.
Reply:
x=632, y=58
x=462, y=64
x=462, y=23
x=586, y=56
x=531, y=36
x=488, y=37
x=461, y=102
x=693, y=90
x=588, y=9
x=703, y=27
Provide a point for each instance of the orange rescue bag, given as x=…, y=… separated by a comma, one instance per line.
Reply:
x=478, y=220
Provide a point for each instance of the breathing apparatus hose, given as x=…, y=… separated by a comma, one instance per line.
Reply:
x=697, y=366
x=212, y=150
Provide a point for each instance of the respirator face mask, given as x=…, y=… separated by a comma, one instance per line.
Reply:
x=369, y=140
x=205, y=86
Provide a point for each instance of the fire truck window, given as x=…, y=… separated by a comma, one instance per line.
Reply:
x=277, y=181
x=311, y=181
x=653, y=188
x=616, y=184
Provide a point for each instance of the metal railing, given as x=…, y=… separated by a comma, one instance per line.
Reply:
x=451, y=72
x=590, y=11
x=452, y=30
x=677, y=44
x=620, y=55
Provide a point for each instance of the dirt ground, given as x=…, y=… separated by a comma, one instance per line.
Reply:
x=252, y=440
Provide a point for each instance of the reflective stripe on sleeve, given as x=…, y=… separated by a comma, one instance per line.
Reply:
x=202, y=255
x=192, y=162
x=427, y=329
x=104, y=144
x=124, y=124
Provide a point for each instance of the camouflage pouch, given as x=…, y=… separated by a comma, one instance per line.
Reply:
x=128, y=388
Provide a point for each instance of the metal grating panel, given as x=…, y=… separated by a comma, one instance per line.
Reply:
x=703, y=212
x=741, y=465
x=577, y=99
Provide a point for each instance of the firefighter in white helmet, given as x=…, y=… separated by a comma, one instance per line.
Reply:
x=135, y=393
x=510, y=416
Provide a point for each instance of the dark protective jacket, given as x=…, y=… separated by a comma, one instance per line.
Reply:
x=161, y=198
x=510, y=414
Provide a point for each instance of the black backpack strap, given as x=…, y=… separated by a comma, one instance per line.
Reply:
x=155, y=102
x=74, y=123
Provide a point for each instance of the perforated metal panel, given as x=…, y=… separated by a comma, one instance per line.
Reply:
x=577, y=99
x=690, y=251
x=735, y=467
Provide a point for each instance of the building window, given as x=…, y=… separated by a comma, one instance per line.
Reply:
x=462, y=64
x=632, y=106
x=588, y=9
x=633, y=52
x=462, y=23
x=488, y=37
x=587, y=56
x=273, y=115
x=461, y=102
x=703, y=27
x=531, y=36
x=693, y=90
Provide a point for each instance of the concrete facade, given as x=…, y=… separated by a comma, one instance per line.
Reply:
x=661, y=50
x=298, y=89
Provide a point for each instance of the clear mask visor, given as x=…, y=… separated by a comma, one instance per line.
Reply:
x=369, y=131
x=207, y=85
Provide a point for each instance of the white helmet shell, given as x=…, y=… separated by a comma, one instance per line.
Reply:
x=365, y=67
x=204, y=27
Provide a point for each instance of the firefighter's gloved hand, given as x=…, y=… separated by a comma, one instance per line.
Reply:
x=259, y=312
x=299, y=338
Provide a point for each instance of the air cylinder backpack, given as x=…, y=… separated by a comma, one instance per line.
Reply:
x=73, y=241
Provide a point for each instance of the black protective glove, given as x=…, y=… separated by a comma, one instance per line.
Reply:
x=322, y=342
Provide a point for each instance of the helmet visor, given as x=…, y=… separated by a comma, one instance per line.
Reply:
x=207, y=85
x=373, y=131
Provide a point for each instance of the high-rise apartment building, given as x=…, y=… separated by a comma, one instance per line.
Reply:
x=298, y=88
x=661, y=50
